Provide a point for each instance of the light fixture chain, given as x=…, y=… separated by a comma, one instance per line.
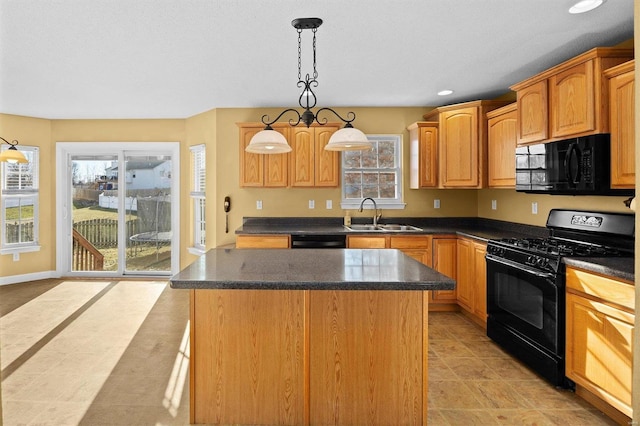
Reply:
x=299, y=54
x=315, y=72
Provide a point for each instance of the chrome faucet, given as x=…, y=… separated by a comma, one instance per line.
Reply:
x=376, y=216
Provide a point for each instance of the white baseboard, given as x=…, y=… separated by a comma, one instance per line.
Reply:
x=14, y=279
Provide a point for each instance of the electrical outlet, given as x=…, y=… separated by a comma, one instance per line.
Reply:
x=436, y=204
x=259, y=204
x=494, y=204
x=329, y=204
x=312, y=204
x=16, y=257
x=534, y=208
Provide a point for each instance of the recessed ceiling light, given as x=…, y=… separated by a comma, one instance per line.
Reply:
x=585, y=6
x=445, y=92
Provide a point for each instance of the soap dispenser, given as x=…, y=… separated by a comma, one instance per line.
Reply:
x=347, y=219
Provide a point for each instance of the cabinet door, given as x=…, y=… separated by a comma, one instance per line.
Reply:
x=251, y=165
x=327, y=164
x=366, y=242
x=600, y=350
x=573, y=100
x=532, y=113
x=465, y=275
x=480, y=281
x=257, y=170
x=458, y=148
x=502, y=150
x=415, y=246
x=444, y=261
x=302, y=157
x=424, y=149
x=621, y=122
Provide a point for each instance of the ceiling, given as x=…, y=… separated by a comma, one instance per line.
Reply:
x=176, y=58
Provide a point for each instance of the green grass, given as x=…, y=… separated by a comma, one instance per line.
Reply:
x=13, y=213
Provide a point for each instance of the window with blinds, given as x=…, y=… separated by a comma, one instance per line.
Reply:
x=19, y=199
x=198, y=169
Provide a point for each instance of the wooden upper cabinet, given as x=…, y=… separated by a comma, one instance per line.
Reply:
x=423, y=138
x=568, y=100
x=259, y=170
x=502, y=137
x=572, y=96
x=311, y=164
x=532, y=112
x=307, y=165
x=462, y=144
x=621, y=124
x=327, y=163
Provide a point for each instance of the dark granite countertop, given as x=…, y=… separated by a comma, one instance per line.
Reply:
x=309, y=269
x=476, y=228
x=615, y=267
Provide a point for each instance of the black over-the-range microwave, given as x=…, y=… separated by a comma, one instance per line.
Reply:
x=578, y=166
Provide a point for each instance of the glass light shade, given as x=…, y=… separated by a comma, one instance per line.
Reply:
x=12, y=155
x=585, y=6
x=268, y=142
x=348, y=139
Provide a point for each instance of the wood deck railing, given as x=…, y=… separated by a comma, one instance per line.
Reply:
x=85, y=256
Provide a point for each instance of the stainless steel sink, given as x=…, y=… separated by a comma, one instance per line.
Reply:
x=382, y=228
x=400, y=228
x=368, y=228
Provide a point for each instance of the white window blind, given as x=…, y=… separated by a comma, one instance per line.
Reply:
x=19, y=199
x=199, y=174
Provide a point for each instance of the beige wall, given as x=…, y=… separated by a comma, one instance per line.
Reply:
x=217, y=129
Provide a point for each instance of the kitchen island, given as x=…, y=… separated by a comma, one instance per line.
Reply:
x=311, y=336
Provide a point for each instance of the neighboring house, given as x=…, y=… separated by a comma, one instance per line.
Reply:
x=144, y=174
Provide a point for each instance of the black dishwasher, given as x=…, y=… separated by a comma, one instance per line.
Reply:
x=307, y=241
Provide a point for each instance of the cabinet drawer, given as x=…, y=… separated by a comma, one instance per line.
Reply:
x=410, y=242
x=366, y=242
x=610, y=290
x=262, y=241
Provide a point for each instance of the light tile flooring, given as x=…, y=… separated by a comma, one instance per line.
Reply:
x=101, y=352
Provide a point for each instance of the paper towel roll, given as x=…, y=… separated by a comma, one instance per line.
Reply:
x=632, y=206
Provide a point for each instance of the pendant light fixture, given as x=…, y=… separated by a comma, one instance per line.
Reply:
x=12, y=155
x=269, y=141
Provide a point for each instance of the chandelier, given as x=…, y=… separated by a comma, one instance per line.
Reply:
x=12, y=155
x=268, y=141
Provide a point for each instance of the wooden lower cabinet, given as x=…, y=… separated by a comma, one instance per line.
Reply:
x=299, y=357
x=263, y=241
x=472, y=279
x=367, y=241
x=599, y=348
x=444, y=260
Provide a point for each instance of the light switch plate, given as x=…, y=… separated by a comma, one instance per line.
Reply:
x=494, y=204
x=312, y=204
x=259, y=204
x=534, y=208
x=16, y=257
x=329, y=204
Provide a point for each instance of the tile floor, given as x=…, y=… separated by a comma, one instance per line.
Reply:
x=116, y=352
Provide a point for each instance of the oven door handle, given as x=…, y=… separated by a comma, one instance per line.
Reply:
x=520, y=266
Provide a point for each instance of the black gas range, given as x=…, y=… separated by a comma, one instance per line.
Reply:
x=525, y=283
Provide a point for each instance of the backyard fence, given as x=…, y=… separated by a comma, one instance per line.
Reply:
x=17, y=233
x=103, y=233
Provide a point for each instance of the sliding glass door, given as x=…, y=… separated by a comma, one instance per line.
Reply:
x=117, y=209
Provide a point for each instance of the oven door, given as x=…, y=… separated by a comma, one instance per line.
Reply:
x=527, y=301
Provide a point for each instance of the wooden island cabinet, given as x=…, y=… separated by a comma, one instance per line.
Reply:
x=316, y=337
